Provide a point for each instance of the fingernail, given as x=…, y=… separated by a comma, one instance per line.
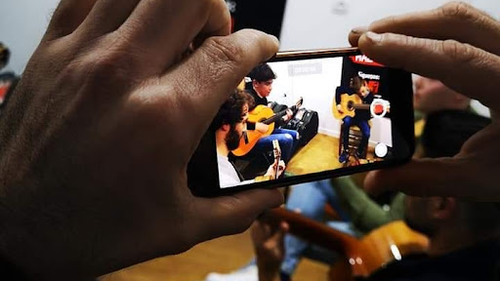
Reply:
x=359, y=30
x=375, y=37
x=274, y=38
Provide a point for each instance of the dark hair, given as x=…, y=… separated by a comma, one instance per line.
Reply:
x=4, y=55
x=446, y=131
x=231, y=111
x=356, y=82
x=262, y=73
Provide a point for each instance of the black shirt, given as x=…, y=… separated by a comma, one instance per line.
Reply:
x=258, y=100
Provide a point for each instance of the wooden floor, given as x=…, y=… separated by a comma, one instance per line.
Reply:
x=219, y=255
x=320, y=154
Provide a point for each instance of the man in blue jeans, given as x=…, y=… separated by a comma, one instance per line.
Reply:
x=357, y=86
x=260, y=88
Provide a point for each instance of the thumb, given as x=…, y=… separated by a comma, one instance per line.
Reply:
x=227, y=215
x=280, y=232
x=427, y=177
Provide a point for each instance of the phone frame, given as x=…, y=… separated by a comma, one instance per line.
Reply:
x=203, y=177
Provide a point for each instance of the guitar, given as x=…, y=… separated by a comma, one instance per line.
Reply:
x=349, y=104
x=262, y=114
x=363, y=256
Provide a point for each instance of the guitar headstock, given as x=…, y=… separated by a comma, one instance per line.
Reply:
x=299, y=102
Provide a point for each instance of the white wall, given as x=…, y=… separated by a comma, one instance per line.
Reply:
x=306, y=25
x=316, y=82
x=326, y=23
x=22, y=25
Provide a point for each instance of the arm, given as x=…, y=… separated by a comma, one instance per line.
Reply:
x=267, y=237
x=90, y=159
x=365, y=213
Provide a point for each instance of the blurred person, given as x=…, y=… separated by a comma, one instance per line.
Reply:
x=464, y=235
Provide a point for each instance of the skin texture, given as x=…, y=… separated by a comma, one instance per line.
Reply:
x=432, y=95
x=96, y=139
x=458, y=45
x=267, y=238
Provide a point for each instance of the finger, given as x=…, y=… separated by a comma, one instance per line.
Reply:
x=234, y=214
x=355, y=34
x=462, y=67
x=164, y=29
x=214, y=70
x=279, y=232
x=434, y=177
x=68, y=15
x=106, y=16
x=459, y=21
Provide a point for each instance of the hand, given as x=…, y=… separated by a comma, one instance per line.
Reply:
x=261, y=127
x=456, y=44
x=339, y=109
x=96, y=138
x=288, y=116
x=271, y=171
x=267, y=238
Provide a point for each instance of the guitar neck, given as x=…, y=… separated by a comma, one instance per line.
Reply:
x=278, y=115
x=361, y=106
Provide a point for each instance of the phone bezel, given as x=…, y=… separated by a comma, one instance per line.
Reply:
x=203, y=178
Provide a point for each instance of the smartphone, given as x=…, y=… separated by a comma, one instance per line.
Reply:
x=317, y=114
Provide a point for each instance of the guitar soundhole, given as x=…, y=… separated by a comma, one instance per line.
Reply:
x=350, y=105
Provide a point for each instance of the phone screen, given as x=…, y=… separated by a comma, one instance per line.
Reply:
x=297, y=117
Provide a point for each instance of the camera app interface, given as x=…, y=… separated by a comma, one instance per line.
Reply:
x=300, y=117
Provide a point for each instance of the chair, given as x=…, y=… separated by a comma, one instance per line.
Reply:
x=355, y=136
x=361, y=257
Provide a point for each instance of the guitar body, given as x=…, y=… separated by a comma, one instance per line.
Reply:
x=258, y=114
x=347, y=102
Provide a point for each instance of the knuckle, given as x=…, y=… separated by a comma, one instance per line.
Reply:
x=458, y=52
x=456, y=10
x=225, y=50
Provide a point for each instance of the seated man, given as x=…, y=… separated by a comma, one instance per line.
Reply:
x=230, y=122
x=464, y=236
x=359, y=87
x=260, y=88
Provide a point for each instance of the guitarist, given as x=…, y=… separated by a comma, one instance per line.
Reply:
x=357, y=86
x=262, y=77
x=229, y=124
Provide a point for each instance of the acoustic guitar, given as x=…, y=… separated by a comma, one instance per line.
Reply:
x=365, y=255
x=261, y=114
x=349, y=105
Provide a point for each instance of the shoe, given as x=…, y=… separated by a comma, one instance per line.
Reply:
x=248, y=273
x=343, y=157
x=359, y=154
